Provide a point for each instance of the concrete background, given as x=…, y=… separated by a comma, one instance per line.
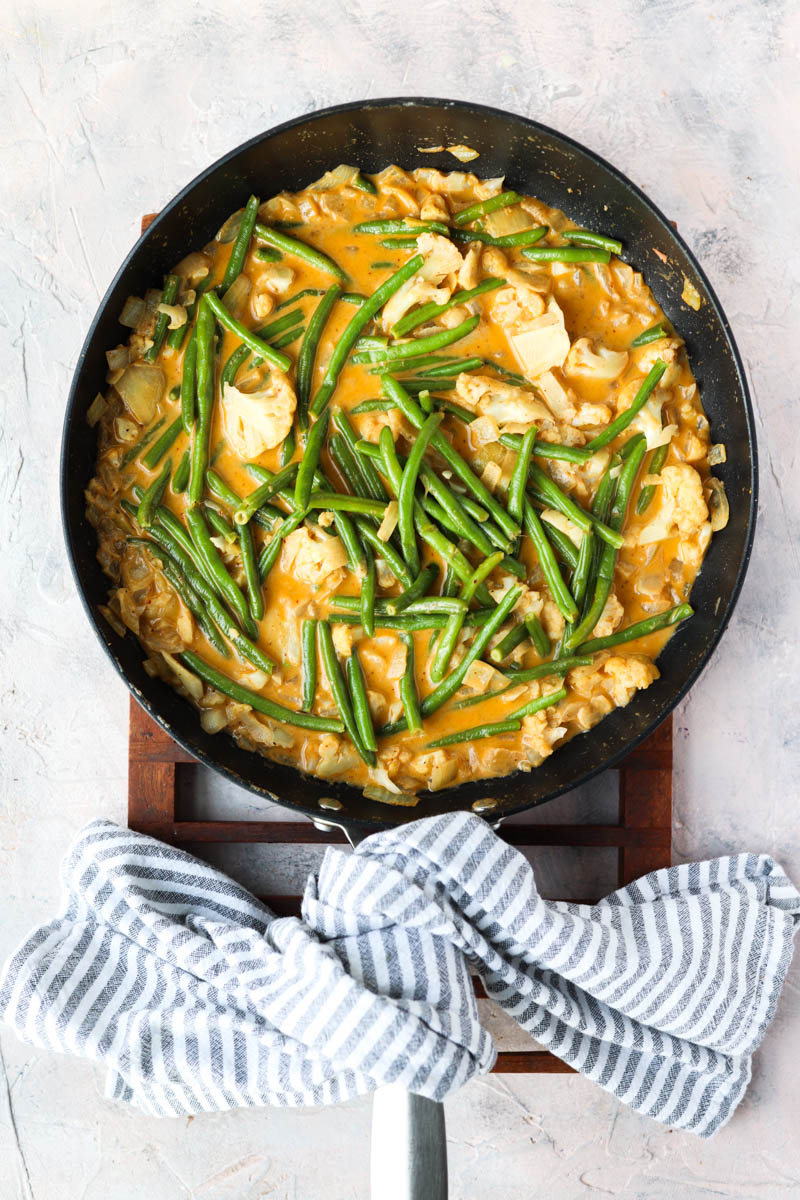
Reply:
x=109, y=108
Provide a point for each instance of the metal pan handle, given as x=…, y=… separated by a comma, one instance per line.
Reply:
x=408, y=1157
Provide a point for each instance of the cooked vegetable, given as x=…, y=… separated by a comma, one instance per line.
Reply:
x=260, y=703
x=209, y=555
x=250, y=339
x=309, y=664
x=483, y=207
x=432, y=311
x=573, y=254
x=649, y=490
x=168, y=296
x=338, y=688
x=204, y=334
x=640, y=399
x=241, y=245
x=408, y=686
x=164, y=443
x=152, y=497
x=673, y=616
x=308, y=352
x=289, y=245
x=423, y=345
x=491, y=729
x=408, y=485
x=584, y=237
x=358, y=695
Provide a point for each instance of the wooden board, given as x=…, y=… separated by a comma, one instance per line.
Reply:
x=642, y=836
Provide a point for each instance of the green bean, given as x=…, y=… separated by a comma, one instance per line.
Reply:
x=264, y=492
x=563, y=546
x=459, y=364
x=341, y=502
x=188, y=594
x=255, y=343
x=547, y=561
x=348, y=466
x=180, y=480
x=269, y=708
x=472, y=508
x=381, y=265
x=368, y=589
x=580, y=577
x=511, y=376
x=370, y=406
x=414, y=384
x=551, y=493
x=654, y=334
x=534, y=706
x=307, y=254
x=556, y=666
x=419, y=588
x=358, y=695
x=471, y=700
x=408, y=687
x=145, y=440
x=414, y=364
x=494, y=729
x=266, y=516
x=412, y=412
x=571, y=254
x=641, y=629
x=208, y=553
x=398, y=243
x=288, y=447
x=308, y=351
x=575, y=454
x=516, y=634
x=429, y=604
x=357, y=323
x=372, y=479
x=408, y=486
x=269, y=553
x=364, y=184
x=240, y=246
x=232, y=364
x=398, y=225
x=152, y=496
x=624, y=419
x=430, y=312
x=255, y=596
x=386, y=551
x=338, y=689
x=215, y=453
x=411, y=621
x=281, y=324
x=584, y=237
x=458, y=520
x=649, y=490
x=503, y=200
x=169, y=295
x=164, y=443
x=527, y=237
x=423, y=345
x=537, y=634
x=268, y=254
x=220, y=525
x=288, y=338
x=608, y=557
x=204, y=335
x=300, y=296
x=308, y=642
x=188, y=383
x=519, y=476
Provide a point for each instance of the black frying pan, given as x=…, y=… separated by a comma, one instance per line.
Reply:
x=534, y=160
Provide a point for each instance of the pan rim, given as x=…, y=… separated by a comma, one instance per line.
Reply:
x=400, y=816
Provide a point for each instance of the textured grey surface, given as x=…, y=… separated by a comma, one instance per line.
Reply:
x=110, y=108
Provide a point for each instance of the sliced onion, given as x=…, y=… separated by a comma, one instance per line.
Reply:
x=464, y=154
x=230, y=228
x=125, y=429
x=118, y=357
x=430, y=149
x=332, y=179
x=96, y=409
x=717, y=455
x=140, y=388
x=176, y=313
x=389, y=522
x=717, y=504
x=193, y=685
x=132, y=312
x=561, y=522
x=193, y=268
x=690, y=294
x=374, y=791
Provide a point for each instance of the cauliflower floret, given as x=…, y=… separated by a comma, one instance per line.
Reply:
x=682, y=508
x=600, y=364
x=434, y=208
x=343, y=639
x=276, y=278
x=312, y=555
x=335, y=756
x=262, y=303
x=539, y=737
x=543, y=343
x=442, y=262
x=610, y=617
x=503, y=402
x=258, y=421
x=628, y=674
x=436, y=769
x=515, y=305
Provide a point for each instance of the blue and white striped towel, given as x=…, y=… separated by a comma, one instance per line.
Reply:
x=196, y=998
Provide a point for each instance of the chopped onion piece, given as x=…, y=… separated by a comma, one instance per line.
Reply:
x=192, y=684
x=374, y=792
x=125, y=429
x=464, y=154
x=132, y=312
x=717, y=455
x=118, y=357
x=430, y=149
x=96, y=410
x=230, y=228
x=690, y=294
x=140, y=388
x=561, y=522
x=176, y=314
x=237, y=295
x=389, y=522
x=332, y=179
x=717, y=504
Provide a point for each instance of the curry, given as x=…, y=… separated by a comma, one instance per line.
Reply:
x=403, y=479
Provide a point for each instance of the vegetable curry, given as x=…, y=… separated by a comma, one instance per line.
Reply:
x=403, y=480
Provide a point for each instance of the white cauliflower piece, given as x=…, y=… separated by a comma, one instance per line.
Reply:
x=610, y=617
x=441, y=257
x=539, y=737
x=276, y=278
x=589, y=415
x=434, y=208
x=601, y=363
x=515, y=305
x=435, y=768
x=626, y=674
x=543, y=343
x=682, y=508
x=503, y=402
x=442, y=261
x=311, y=555
x=258, y=421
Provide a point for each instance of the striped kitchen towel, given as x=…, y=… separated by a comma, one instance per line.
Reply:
x=196, y=998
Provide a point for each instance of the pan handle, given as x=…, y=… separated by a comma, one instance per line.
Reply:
x=408, y=1157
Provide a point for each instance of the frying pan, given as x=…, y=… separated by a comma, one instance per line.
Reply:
x=537, y=161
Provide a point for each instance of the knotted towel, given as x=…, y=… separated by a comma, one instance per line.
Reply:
x=197, y=998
